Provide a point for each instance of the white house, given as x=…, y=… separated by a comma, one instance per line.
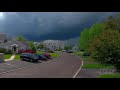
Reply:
x=53, y=44
x=13, y=45
x=75, y=48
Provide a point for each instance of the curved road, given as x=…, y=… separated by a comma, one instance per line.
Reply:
x=66, y=66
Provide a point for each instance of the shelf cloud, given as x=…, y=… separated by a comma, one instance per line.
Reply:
x=49, y=25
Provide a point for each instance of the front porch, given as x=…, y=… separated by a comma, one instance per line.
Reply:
x=14, y=48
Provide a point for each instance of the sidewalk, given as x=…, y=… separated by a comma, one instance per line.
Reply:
x=11, y=58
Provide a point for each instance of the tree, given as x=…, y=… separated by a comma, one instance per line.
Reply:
x=84, y=37
x=31, y=46
x=40, y=46
x=105, y=48
x=20, y=38
x=89, y=33
x=67, y=47
x=102, y=41
x=95, y=30
x=110, y=23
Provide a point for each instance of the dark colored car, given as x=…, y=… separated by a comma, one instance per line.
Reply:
x=29, y=57
x=69, y=51
x=41, y=57
x=50, y=51
x=45, y=50
x=64, y=50
x=86, y=54
x=47, y=55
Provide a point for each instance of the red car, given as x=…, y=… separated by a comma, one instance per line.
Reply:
x=26, y=51
x=47, y=55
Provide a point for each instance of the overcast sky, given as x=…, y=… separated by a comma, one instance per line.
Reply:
x=49, y=25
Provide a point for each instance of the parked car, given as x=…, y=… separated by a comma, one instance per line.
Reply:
x=39, y=49
x=69, y=51
x=50, y=51
x=29, y=57
x=64, y=50
x=47, y=55
x=45, y=50
x=41, y=57
x=86, y=54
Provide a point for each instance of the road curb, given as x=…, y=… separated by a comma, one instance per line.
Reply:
x=79, y=68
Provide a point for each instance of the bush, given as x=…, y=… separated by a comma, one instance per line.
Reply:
x=26, y=51
x=82, y=50
x=31, y=46
x=86, y=54
x=67, y=47
x=106, y=48
x=2, y=50
x=8, y=51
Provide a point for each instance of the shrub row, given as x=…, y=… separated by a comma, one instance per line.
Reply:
x=6, y=51
x=26, y=51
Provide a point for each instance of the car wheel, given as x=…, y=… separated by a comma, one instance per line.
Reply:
x=31, y=60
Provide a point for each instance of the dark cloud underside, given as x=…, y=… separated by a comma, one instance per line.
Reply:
x=49, y=25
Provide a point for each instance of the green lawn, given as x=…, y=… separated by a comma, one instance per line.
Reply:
x=109, y=76
x=54, y=55
x=40, y=52
x=96, y=65
x=88, y=62
x=78, y=53
x=7, y=56
x=17, y=57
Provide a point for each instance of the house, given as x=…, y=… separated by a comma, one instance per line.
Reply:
x=75, y=48
x=3, y=38
x=53, y=44
x=13, y=45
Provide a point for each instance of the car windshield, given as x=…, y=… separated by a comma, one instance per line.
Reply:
x=35, y=55
x=42, y=56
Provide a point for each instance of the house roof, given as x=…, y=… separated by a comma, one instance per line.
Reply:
x=24, y=42
x=9, y=43
x=2, y=37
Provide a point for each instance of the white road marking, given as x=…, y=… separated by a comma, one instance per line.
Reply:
x=11, y=65
x=16, y=69
x=79, y=68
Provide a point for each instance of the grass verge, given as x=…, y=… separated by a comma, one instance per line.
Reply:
x=90, y=63
x=7, y=56
x=97, y=65
x=17, y=57
x=109, y=76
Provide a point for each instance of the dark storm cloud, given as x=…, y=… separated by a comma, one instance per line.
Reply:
x=49, y=25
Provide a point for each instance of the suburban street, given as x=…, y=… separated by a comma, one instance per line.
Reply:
x=66, y=66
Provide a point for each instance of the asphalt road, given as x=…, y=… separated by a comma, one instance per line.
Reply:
x=66, y=66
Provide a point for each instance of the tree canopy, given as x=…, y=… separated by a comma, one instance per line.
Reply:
x=31, y=46
x=40, y=46
x=102, y=41
x=21, y=38
x=67, y=47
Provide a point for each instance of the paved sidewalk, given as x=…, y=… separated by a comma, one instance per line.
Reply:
x=11, y=58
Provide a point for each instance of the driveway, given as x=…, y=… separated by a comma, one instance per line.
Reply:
x=66, y=66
